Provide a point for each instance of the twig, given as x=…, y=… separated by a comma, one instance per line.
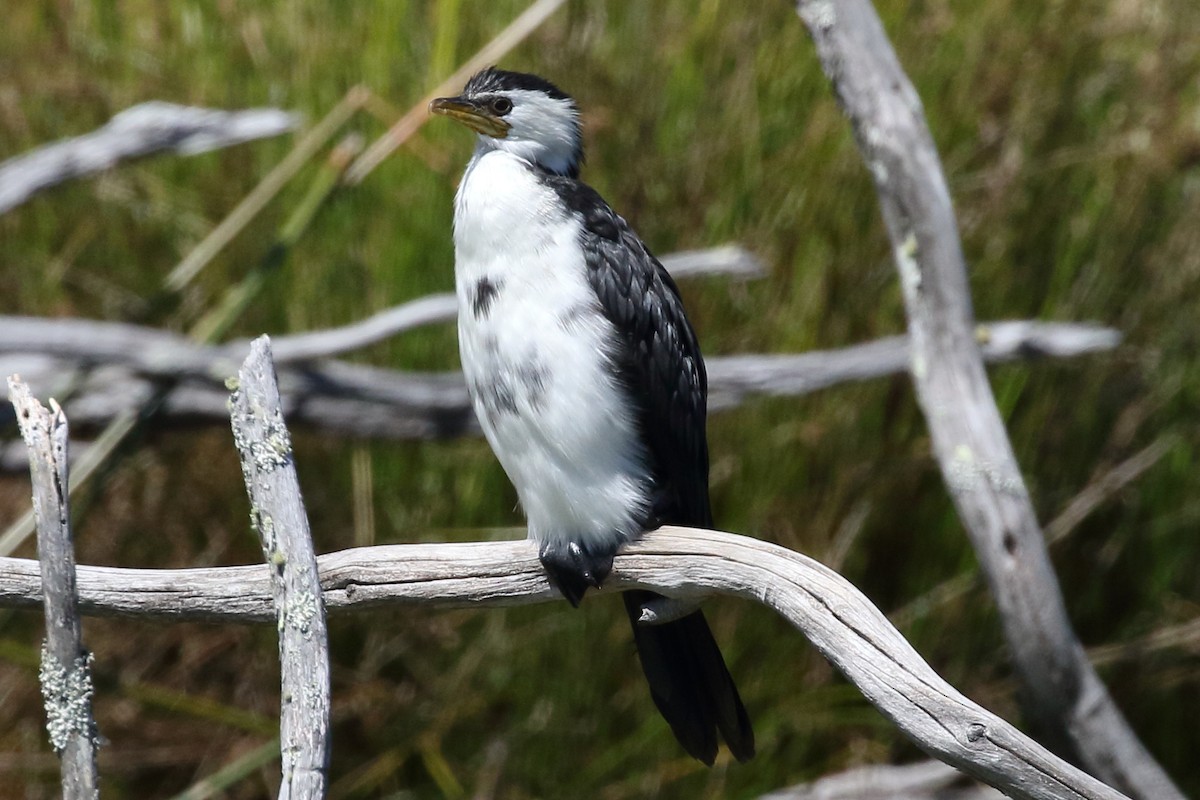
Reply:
x=925, y=780
x=1065, y=698
x=136, y=132
x=66, y=667
x=379, y=327
x=678, y=562
x=730, y=259
x=277, y=513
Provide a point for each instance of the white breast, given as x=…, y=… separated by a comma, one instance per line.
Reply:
x=533, y=355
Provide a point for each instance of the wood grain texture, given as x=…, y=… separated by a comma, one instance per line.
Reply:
x=278, y=516
x=1065, y=699
x=680, y=562
x=65, y=673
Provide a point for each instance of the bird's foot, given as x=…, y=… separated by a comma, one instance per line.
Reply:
x=572, y=568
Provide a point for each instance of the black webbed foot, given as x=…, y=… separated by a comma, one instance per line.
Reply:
x=572, y=568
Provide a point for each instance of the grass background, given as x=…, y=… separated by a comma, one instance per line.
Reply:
x=1070, y=134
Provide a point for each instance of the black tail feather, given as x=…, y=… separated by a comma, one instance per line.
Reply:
x=690, y=683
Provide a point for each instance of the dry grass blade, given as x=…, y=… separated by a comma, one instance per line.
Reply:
x=406, y=126
x=267, y=188
x=1083, y=504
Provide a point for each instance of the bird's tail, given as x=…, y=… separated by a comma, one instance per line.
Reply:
x=690, y=683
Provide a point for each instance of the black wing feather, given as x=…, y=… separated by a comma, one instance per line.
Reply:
x=658, y=360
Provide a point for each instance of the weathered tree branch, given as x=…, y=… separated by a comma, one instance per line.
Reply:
x=1065, y=698
x=687, y=563
x=362, y=401
x=926, y=780
x=65, y=673
x=135, y=132
x=166, y=354
x=278, y=515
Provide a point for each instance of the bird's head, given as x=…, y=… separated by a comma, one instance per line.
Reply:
x=522, y=114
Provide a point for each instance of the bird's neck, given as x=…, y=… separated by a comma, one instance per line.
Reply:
x=500, y=202
x=557, y=157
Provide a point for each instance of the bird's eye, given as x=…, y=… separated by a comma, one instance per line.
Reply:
x=501, y=106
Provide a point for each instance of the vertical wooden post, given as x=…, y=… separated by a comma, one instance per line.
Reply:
x=277, y=514
x=65, y=673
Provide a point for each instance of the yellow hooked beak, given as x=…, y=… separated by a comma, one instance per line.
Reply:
x=471, y=114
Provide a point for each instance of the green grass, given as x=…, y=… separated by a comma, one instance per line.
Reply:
x=1071, y=138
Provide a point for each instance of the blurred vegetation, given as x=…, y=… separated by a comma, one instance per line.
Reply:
x=1070, y=132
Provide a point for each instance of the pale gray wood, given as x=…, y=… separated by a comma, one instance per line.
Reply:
x=729, y=260
x=278, y=516
x=684, y=563
x=65, y=672
x=1065, y=699
x=369, y=402
x=139, y=131
x=164, y=353
x=925, y=780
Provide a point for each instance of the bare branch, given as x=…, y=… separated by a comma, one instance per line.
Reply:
x=727, y=259
x=164, y=353
x=390, y=322
x=66, y=667
x=136, y=132
x=678, y=562
x=926, y=780
x=1065, y=698
x=277, y=513
x=362, y=401
x=733, y=378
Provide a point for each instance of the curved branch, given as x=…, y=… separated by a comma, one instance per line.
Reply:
x=853, y=634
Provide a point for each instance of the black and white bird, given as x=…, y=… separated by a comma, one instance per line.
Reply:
x=586, y=377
